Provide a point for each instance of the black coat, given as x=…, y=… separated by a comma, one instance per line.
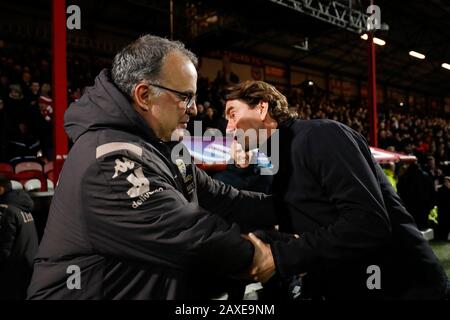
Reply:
x=18, y=244
x=416, y=189
x=336, y=197
x=137, y=225
x=443, y=203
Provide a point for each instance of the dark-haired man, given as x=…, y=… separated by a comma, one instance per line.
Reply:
x=356, y=239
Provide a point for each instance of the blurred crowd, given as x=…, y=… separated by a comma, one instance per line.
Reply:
x=26, y=112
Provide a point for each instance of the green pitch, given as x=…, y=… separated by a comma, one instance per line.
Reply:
x=442, y=251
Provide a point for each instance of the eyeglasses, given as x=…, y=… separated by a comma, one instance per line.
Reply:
x=189, y=98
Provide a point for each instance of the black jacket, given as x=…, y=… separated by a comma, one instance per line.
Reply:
x=416, y=189
x=443, y=204
x=336, y=197
x=137, y=225
x=18, y=244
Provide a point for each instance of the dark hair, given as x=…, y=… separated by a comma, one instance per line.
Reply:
x=142, y=60
x=253, y=92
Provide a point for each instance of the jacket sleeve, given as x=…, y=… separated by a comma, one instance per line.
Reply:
x=8, y=230
x=132, y=211
x=341, y=161
x=251, y=210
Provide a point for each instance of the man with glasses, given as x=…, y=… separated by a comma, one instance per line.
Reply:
x=131, y=219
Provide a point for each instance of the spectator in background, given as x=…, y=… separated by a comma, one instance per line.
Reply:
x=434, y=172
x=45, y=108
x=42, y=125
x=46, y=90
x=443, y=204
x=416, y=189
x=26, y=82
x=222, y=123
x=18, y=241
x=23, y=145
x=385, y=139
x=5, y=132
x=16, y=104
x=210, y=122
x=75, y=95
x=16, y=75
x=441, y=154
x=389, y=171
x=214, y=118
x=34, y=93
x=200, y=112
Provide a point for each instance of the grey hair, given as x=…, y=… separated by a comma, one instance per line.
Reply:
x=142, y=60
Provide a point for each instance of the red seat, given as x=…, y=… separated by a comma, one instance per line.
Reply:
x=28, y=166
x=36, y=185
x=51, y=176
x=24, y=176
x=48, y=167
x=212, y=166
x=7, y=170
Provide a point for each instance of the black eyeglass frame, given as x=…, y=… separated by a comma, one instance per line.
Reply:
x=189, y=97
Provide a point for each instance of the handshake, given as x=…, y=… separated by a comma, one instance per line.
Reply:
x=263, y=265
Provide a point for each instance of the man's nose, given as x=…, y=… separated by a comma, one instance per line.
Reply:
x=231, y=126
x=192, y=111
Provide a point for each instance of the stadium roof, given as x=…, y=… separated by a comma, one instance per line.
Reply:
x=275, y=32
x=266, y=29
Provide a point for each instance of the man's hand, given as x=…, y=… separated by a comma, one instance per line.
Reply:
x=263, y=266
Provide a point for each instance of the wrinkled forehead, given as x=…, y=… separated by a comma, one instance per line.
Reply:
x=235, y=105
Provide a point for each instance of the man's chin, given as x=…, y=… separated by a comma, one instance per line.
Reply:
x=178, y=133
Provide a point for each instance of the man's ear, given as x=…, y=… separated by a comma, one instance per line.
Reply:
x=141, y=96
x=264, y=110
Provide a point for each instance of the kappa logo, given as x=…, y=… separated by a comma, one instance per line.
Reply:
x=122, y=166
x=140, y=184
